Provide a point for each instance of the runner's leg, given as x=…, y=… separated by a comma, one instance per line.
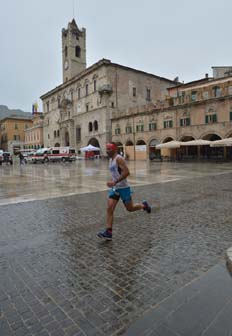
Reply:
x=112, y=203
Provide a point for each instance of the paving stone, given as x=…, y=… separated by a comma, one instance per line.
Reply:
x=56, y=270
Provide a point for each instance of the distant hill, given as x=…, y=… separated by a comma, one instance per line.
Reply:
x=6, y=112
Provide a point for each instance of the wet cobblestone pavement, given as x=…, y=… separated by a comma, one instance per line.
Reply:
x=57, y=278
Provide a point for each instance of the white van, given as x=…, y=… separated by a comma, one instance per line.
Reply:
x=41, y=155
x=61, y=154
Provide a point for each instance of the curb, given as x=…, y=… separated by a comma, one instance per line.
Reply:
x=229, y=259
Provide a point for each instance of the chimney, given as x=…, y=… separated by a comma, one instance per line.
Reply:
x=206, y=75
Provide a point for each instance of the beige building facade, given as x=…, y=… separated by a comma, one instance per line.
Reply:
x=198, y=110
x=34, y=134
x=12, y=133
x=80, y=111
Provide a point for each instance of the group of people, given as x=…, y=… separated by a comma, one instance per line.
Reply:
x=119, y=189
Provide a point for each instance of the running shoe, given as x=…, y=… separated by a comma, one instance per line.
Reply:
x=147, y=207
x=106, y=234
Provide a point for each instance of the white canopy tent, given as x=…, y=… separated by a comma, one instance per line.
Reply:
x=198, y=142
x=169, y=144
x=90, y=148
x=222, y=143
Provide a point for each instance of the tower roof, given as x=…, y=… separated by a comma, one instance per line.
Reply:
x=73, y=24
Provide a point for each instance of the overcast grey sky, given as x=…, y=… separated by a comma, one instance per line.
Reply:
x=168, y=38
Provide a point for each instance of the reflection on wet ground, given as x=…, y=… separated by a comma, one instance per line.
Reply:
x=57, y=278
x=42, y=181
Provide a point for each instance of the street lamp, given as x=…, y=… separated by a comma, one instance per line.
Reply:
x=134, y=137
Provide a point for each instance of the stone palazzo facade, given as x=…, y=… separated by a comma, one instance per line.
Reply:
x=198, y=110
x=82, y=109
x=137, y=110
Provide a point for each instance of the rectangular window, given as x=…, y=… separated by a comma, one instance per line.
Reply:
x=230, y=116
x=211, y=118
x=152, y=126
x=168, y=124
x=128, y=129
x=139, y=128
x=86, y=89
x=217, y=91
x=87, y=107
x=79, y=93
x=134, y=91
x=78, y=134
x=185, y=122
x=58, y=133
x=205, y=95
x=95, y=85
x=16, y=126
x=148, y=94
x=117, y=130
x=193, y=96
x=47, y=106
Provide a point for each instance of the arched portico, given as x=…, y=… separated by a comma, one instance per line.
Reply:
x=186, y=152
x=120, y=148
x=129, y=150
x=94, y=142
x=140, y=150
x=153, y=152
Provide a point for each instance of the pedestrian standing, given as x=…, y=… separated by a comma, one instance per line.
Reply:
x=21, y=158
x=119, y=189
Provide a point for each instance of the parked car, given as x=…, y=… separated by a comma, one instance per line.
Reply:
x=5, y=157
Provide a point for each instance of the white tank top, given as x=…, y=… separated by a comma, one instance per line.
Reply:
x=116, y=173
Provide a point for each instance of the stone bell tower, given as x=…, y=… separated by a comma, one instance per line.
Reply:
x=73, y=50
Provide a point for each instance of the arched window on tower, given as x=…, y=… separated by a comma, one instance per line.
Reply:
x=90, y=127
x=66, y=51
x=95, y=125
x=78, y=51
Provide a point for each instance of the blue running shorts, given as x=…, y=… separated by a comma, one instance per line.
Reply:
x=123, y=193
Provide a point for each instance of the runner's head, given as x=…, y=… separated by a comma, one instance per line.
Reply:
x=111, y=149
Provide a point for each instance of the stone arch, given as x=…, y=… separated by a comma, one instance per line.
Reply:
x=167, y=139
x=228, y=134
x=94, y=142
x=211, y=137
x=57, y=144
x=129, y=143
x=153, y=152
x=153, y=142
x=120, y=147
x=140, y=142
x=186, y=138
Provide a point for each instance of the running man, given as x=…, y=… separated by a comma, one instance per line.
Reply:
x=119, y=189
